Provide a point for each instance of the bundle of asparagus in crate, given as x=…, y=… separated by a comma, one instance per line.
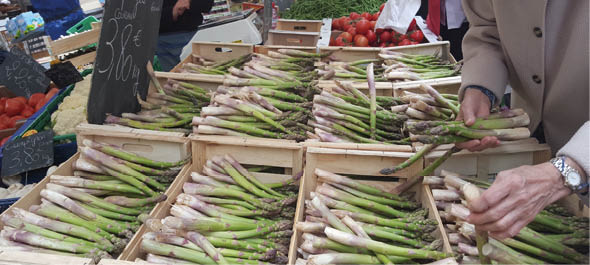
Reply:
x=204, y=66
x=347, y=115
x=349, y=222
x=350, y=71
x=555, y=236
x=269, y=97
x=225, y=216
x=96, y=211
x=170, y=109
x=407, y=67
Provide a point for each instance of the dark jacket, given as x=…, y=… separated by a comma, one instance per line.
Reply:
x=189, y=21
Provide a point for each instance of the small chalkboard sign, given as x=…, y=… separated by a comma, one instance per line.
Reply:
x=21, y=74
x=32, y=152
x=128, y=39
x=64, y=74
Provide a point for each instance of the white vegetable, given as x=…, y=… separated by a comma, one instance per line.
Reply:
x=72, y=111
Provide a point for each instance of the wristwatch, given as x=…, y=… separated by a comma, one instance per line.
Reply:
x=571, y=177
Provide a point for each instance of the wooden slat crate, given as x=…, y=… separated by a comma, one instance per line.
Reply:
x=382, y=88
x=292, y=38
x=26, y=258
x=354, y=163
x=299, y=25
x=264, y=49
x=509, y=154
x=162, y=146
x=447, y=85
x=216, y=51
x=73, y=43
x=250, y=151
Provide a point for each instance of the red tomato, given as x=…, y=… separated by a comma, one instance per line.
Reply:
x=4, y=140
x=372, y=24
x=371, y=36
x=352, y=31
x=375, y=16
x=412, y=25
x=379, y=31
x=3, y=126
x=346, y=37
x=28, y=111
x=417, y=36
x=336, y=24
x=405, y=42
x=14, y=119
x=366, y=15
x=361, y=41
x=21, y=99
x=40, y=104
x=363, y=26
x=4, y=120
x=383, y=44
x=381, y=7
x=13, y=106
x=391, y=45
x=414, y=42
x=51, y=93
x=354, y=16
x=35, y=98
x=339, y=41
x=2, y=103
x=385, y=36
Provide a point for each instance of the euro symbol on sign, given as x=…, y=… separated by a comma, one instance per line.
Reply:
x=137, y=38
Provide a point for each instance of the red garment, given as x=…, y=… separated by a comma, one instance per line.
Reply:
x=433, y=18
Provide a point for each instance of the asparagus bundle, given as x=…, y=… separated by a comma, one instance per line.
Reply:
x=170, y=109
x=407, y=67
x=351, y=71
x=226, y=216
x=268, y=97
x=553, y=237
x=349, y=222
x=95, y=212
x=201, y=65
x=347, y=115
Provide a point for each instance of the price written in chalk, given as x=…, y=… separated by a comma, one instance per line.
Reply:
x=127, y=42
x=32, y=152
x=21, y=74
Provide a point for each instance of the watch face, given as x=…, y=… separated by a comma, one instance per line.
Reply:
x=573, y=179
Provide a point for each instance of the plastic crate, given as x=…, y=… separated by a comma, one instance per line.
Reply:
x=83, y=25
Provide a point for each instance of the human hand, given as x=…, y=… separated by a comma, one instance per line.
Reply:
x=179, y=8
x=475, y=105
x=515, y=198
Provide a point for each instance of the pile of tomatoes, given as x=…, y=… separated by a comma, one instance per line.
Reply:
x=20, y=108
x=359, y=30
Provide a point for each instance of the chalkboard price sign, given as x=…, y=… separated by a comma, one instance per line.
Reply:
x=21, y=74
x=32, y=152
x=127, y=42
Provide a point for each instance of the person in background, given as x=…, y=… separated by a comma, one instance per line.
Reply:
x=445, y=18
x=178, y=24
x=59, y=15
x=543, y=53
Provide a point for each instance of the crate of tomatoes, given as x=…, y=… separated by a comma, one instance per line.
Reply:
x=14, y=111
x=359, y=30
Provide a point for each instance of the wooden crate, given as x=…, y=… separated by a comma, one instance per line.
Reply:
x=340, y=163
x=25, y=258
x=264, y=49
x=299, y=25
x=162, y=146
x=73, y=43
x=216, y=51
x=360, y=146
x=292, y=38
x=509, y=154
x=250, y=151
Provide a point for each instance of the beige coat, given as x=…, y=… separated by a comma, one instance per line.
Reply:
x=541, y=48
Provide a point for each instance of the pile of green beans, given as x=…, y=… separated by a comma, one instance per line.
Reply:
x=319, y=9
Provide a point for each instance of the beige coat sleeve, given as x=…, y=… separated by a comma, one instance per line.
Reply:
x=578, y=149
x=484, y=62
